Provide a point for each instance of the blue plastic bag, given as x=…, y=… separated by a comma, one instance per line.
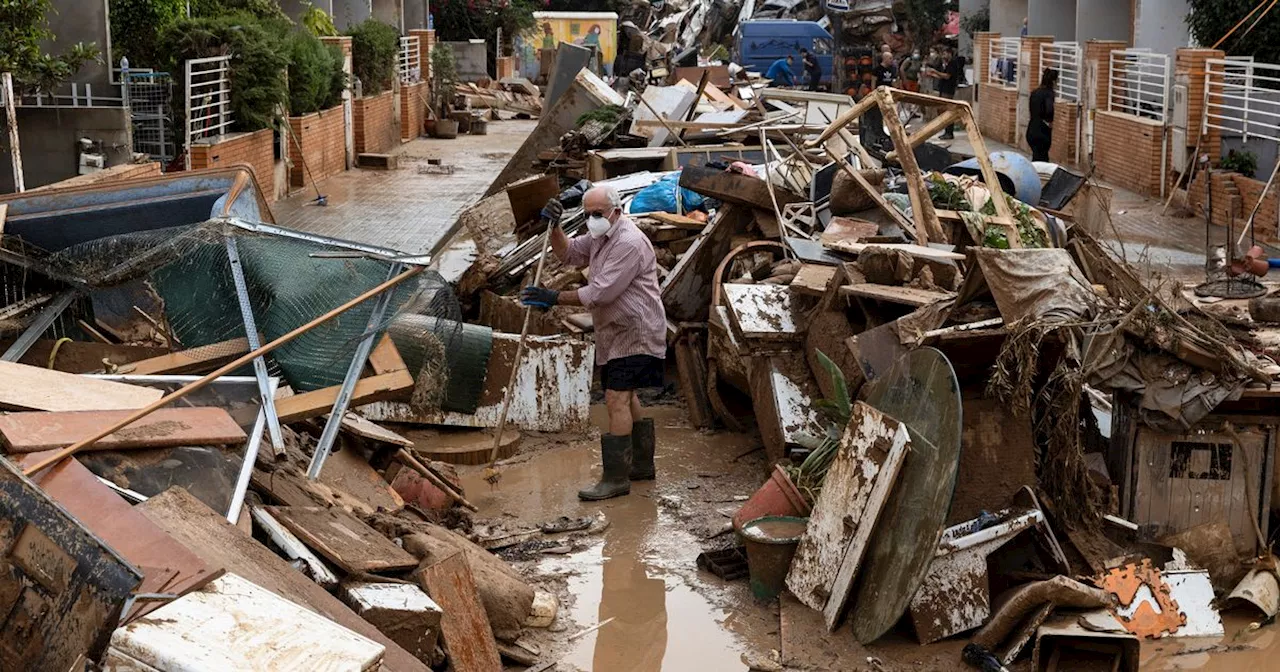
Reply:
x=661, y=197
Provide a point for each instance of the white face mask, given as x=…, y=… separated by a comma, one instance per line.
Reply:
x=598, y=226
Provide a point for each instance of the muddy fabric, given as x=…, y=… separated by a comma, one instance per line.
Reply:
x=1172, y=395
x=1037, y=284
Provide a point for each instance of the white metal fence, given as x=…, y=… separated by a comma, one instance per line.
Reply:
x=409, y=62
x=1242, y=97
x=75, y=94
x=1065, y=57
x=1002, y=65
x=208, y=100
x=1139, y=84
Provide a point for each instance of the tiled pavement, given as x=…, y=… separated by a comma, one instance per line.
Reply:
x=403, y=209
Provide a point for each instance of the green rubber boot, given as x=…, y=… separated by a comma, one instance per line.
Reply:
x=615, y=454
x=642, y=445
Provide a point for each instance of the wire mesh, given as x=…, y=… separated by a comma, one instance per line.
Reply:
x=150, y=100
x=186, y=271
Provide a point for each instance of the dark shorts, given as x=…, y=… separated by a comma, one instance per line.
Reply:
x=632, y=372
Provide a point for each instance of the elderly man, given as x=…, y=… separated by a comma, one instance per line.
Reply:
x=630, y=326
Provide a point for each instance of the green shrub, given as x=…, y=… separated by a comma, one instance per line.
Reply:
x=268, y=10
x=444, y=78
x=317, y=21
x=1244, y=162
x=258, y=62
x=316, y=79
x=134, y=26
x=374, y=49
x=24, y=36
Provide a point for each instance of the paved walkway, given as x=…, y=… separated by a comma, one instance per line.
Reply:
x=405, y=209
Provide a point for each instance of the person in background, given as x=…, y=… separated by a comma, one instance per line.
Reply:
x=780, y=72
x=1040, y=119
x=1024, y=27
x=886, y=74
x=630, y=328
x=948, y=76
x=812, y=68
x=910, y=71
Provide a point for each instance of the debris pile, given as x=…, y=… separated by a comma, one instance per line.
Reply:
x=982, y=419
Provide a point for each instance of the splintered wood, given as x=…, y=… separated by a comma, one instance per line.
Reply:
x=343, y=540
x=853, y=494
x=167, y=427
x=31, y=388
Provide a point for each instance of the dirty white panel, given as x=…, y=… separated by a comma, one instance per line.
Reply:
x=672, y=102
x=552, y=390
x=797, y=412
x=762, y=311
x=233, y=624
x=391, y=597
x=1194, y=593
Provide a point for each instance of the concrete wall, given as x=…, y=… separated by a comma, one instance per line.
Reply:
x=48, y=137
x=75, y=21
x=347, y=13
x=1102, y=20
x=1161, y=26
x=415, y=14
x=968, y=8
x=389, y=12
x=1053, y=17
x=472, y=59
x=1007, y=15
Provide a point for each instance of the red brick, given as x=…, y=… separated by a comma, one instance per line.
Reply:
x=1065, y=148
x=322, y=138
x=376, y=126
x=1127, y=151
x=412, y=109
x=256, y=150
x=999, y=118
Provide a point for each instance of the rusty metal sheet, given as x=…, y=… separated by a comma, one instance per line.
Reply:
x=61, y=587
x=553, y=389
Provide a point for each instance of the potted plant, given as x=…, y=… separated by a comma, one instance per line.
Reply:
x=444, y=82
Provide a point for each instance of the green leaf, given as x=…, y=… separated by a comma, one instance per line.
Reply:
x=843, y=407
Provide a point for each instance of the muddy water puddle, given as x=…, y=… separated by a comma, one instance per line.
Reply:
x=641, y=572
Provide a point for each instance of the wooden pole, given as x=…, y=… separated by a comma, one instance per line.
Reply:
x=11, y=115
x=407, y=459
x=222, y=371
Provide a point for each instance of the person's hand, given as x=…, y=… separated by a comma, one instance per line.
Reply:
x=552, y=212
x=539, y=297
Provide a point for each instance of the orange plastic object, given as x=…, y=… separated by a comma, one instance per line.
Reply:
x=1126, y=583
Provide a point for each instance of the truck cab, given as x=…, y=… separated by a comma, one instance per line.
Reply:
x=758, y=43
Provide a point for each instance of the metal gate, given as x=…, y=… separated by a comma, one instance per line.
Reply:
x=149, y=96
x=208, y=101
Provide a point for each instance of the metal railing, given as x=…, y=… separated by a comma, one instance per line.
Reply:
x=208, y=99
x=75, y=94
x=409, y=62
x=1139, y=84
x=1002, y=65
x=1065, y=57
x=1242, y=97
x=150, y=99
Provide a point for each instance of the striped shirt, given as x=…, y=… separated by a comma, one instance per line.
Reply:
x=622, y=294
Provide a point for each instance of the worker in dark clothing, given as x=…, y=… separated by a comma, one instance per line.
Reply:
x=948, y=76
x=812, y=68
x=886, y=73
x=1040, y=121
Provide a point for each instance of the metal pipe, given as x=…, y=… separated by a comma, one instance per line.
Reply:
x=250, y=457
x=38, y=326
x=251, y=335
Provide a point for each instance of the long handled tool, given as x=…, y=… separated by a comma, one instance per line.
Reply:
x=320, y=198
x=221, y=371
x=490, y=473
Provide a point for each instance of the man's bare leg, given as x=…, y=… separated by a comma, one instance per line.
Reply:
x=620, y=404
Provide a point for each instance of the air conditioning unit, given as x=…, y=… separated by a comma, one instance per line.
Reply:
x=1180, y=112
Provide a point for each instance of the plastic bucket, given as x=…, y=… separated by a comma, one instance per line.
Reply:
x=771, y=543
x=777, y=497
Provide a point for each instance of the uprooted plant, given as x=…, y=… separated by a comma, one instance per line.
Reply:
x=808, y=476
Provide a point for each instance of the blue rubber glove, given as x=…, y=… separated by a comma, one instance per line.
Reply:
x=539, y=297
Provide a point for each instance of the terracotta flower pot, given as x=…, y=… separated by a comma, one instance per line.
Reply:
x=777, y=497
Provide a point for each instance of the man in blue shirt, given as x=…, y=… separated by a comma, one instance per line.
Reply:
x=780, y=72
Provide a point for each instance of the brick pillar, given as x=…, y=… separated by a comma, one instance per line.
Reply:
x=1189, y=69
x=348, y=134
x=1097, y=67
x=1031, y=47
x=426, y=42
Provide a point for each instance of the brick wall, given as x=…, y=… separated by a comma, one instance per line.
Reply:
x=255, y=149
x=1127, y=151
x=1065, y=137
x=343, y=42
x=426, y=41
x=1234, y=197
x=1099, y=52
x=412, y=109
x=1031, y=47
x=999, y=118
x=377, y=128
x=322, y=137
x=982, y=55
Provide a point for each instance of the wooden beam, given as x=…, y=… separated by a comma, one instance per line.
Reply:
x=385, y=358
x=32, y=388
x=990, y=177
x=843, y=120
x=167, y=427
x=922, y=135
x=925, y=99
x=381, y=387
x=191, y=360
x=921, y=204
x=888, y=208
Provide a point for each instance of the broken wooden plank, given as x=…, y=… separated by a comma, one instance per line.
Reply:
x=812, y=279
x=291, y=547
x=209, y=630
x=681, y=221
x=907, y=296
x=291, y=487
x=218, y=542
x=385, y=358
x=914, y=250
x=783, y=393
x=734, y=187
x=343, y=539
x=62, y=585
x=348, y=472
x=381, y=387
x=402, y=611
x=84, y=357
x=853, y=494
x=30, y=388
x=368, y=429
x=192, y=426
x=464, y=625
x=691, y=373
x=686, y=292
x=192, y=360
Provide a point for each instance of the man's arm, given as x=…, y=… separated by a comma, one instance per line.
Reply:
x=559, y=242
